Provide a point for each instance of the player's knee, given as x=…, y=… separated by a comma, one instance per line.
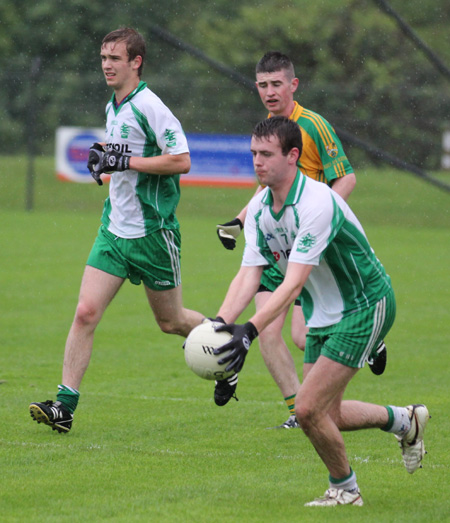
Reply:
x=306, y=412
x=169, y=326
x=86, y=314
x=299, y=340
x=299, y=336
x=305, y=416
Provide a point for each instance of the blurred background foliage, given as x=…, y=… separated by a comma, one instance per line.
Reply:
x=355, y=65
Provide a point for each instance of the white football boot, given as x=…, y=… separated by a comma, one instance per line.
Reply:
x=411, y=443
x=334, y=497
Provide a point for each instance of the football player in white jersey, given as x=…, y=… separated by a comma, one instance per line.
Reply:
x=323, y=159
x=310, y=233
x=145, y=151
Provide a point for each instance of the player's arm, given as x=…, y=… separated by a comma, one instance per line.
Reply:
x=243, y=335
x=228, y=232
x=240, y=292
x=165, y=164
x=284, y=295
x=344, y=185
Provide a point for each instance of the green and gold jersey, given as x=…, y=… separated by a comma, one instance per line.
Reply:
x=323, y=158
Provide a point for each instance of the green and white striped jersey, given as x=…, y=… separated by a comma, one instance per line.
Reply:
x=317, y=227
x=142, y=203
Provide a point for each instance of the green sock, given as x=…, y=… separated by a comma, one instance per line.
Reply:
x=290, y=402
x=68, y=397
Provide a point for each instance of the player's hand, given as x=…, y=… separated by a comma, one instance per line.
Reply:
x=228, y=232
x=217, y=319
x=243, y=335
x=113, y=161
x=96, y=153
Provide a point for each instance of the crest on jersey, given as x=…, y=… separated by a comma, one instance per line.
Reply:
x=124, y=130
x=304, y=244
x=170, y=137
x=332, y=150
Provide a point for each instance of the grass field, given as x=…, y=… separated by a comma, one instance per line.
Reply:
x=148, y=443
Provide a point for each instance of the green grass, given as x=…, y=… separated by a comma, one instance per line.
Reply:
x=148, y=443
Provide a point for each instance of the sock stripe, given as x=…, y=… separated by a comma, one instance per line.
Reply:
x=69, y=389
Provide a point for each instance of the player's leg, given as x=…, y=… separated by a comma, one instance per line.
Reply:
x=347, y=344
x=171, y=316
x=159, y=268
x=329, y=366
x=97, y=290
x=278, y=358
x=299, y=329
x=275, y=352
x=323, y=385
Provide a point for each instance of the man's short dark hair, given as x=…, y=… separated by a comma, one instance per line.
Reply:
x=275, y=61
x=287, y=131
x=134, y=42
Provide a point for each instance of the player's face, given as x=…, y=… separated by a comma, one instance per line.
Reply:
x=277, y=92
x=120, y=73
x=270, y=165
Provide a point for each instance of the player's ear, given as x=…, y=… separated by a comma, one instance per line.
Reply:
x=293, y=155
x=137, y=62
x=294, y=84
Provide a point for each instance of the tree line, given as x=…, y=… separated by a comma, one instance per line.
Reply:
x=355, y=67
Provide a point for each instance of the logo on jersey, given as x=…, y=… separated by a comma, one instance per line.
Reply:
x=304, y=244
x=124, y=130
x=170, y=137
x=332, y=150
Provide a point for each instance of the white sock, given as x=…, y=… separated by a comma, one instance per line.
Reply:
x=348, y=483
x=402, y=423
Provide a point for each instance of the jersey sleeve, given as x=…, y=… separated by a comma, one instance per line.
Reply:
x=164, y=128
x=329, y=147
x=252, y=251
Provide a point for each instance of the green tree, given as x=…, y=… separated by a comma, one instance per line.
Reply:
x=355, y=66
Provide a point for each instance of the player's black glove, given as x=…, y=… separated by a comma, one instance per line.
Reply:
x=113, y=161
x=243, y=335
x=96, y=153
x=228, y=232
x=217, y=319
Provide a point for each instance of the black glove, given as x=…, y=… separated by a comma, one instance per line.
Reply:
x=113, y=161
x=96, y=153
x=217, y=319
x=243, y=335
x=228, y=232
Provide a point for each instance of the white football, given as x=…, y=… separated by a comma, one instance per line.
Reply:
x=199, y=351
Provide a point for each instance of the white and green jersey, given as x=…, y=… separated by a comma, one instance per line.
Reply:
x=142, y=203
x=316, y=227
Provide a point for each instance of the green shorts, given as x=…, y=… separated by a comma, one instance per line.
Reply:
x=153, y=259
x=271, y=279
x=353, y=340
